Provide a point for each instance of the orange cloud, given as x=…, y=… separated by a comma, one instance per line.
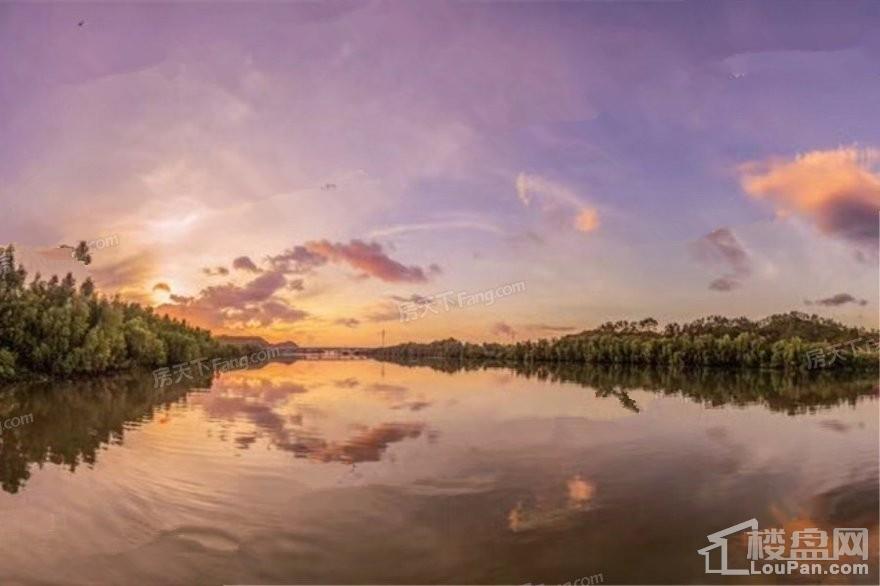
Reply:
x=230, y=304
x=587, y=220
x=838, y=190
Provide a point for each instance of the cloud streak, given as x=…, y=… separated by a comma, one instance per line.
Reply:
x=435, y=226
x=530, y=186
x=838, y=300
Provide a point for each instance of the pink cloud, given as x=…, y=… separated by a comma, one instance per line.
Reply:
x=837, y=190
x=230, y=304
x=369, y=258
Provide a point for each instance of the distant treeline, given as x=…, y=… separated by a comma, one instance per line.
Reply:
x=54, y=328
x=793, y=340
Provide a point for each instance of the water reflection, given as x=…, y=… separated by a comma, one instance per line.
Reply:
x=551, y=509
x=362, y=472
x=268, y=403
x=791, y=392
x=72, y=420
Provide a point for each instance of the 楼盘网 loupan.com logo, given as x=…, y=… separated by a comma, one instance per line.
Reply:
x=810, y=551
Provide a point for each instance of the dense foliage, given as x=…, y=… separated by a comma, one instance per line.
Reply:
x=54, y=328
x=785, y=341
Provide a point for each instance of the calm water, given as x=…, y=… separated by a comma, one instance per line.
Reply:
x=361, y=472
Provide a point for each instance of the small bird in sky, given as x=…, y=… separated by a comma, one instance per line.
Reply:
x=82, y=22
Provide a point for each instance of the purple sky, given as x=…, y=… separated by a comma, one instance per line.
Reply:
x=671, y=159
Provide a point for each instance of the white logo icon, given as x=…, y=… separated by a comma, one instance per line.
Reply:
x=766, y=551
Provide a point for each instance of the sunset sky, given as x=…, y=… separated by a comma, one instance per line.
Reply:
x=295, y=171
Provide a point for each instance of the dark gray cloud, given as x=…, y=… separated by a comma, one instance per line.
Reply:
x=503, y=329
x=244, y=263
x=216, y=271
x=854, y=219
x=837, y=300
x=725, y=284
x=720, y=249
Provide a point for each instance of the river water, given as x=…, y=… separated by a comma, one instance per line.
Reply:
x=350, y=472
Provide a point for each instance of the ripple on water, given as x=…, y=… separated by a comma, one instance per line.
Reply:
x=207, y=537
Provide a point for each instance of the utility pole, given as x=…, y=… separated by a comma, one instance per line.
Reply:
x=383, y=337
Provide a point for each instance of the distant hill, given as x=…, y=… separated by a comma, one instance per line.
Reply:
x=254, y=341
x=793, y=340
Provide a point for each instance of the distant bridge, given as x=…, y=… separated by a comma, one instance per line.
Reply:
x=327, y=352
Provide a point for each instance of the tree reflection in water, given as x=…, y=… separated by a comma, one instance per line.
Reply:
x=791, y=392
x=73, y=420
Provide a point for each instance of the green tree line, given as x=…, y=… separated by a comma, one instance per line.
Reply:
x=54, y=328
x=792, y=340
